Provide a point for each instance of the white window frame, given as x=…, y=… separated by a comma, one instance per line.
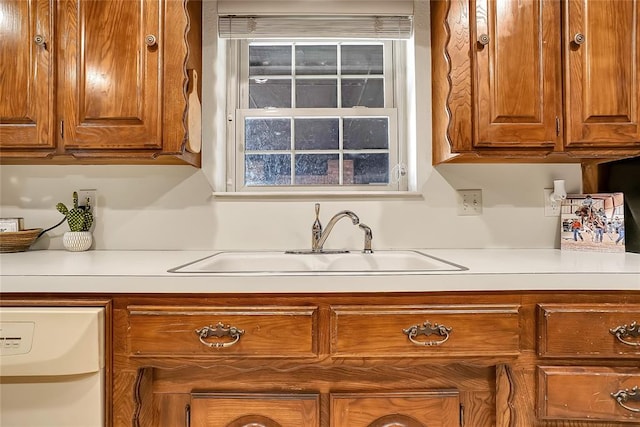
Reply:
x=395, y=103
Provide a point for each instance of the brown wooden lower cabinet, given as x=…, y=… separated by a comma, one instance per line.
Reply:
x=449, y=359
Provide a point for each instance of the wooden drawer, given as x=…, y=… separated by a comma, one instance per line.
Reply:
x=384, y=331
x=587, y=393
x=265, y=331
x=588, y=330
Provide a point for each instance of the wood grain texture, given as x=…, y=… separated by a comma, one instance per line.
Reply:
x=27, y=70
x=495, y=390
x=602, y=77
x=97, y=93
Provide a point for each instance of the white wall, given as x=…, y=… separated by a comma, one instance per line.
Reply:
x=172, y=207
x=169, y=207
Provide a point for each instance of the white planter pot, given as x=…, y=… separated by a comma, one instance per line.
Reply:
x=77, y=241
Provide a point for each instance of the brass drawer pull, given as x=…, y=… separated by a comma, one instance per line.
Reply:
x=483, y=39
x=426, y=329
x=626, y=395
x=579, y=39
x=624, y=331
x=219, y=331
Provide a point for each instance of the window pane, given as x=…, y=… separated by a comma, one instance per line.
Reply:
x=362, y=59
x=269, y=60
x=267, y=134
x=317, y=134
x=366, y=168
x=321, y=169
x=362, y=93
x=366, y=133
x=316, y=93
x=313, y=60
x=267, y=169
x=270, y=93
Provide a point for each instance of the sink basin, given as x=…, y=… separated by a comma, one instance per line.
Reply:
x=281, y=263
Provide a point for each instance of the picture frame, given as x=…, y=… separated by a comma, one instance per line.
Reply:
x=593, y=222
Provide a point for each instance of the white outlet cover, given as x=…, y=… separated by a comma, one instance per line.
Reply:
x=550, y=208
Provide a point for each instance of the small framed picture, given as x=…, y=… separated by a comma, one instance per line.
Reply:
x=593, y=222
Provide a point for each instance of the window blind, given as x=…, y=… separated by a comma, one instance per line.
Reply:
x=273, y=27
x=315, y=7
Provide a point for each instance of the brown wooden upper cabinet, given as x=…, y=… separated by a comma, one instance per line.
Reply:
x=535, y=79
x=96, y=81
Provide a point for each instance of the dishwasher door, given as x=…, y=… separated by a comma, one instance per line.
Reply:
x=52, y=367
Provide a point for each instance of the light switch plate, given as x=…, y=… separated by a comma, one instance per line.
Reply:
x=469, y=202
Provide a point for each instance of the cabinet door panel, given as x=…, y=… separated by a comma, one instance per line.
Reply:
x=110, y=76
x=26, y=93
x=249, y=410
x=517, y=73
x=413, y=409
x=603, y=75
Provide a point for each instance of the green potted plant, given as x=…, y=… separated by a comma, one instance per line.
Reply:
x=80, y=219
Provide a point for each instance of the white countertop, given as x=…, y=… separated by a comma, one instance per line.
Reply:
x=146, y=272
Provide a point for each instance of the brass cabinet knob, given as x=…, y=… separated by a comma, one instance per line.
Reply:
x=483, y=39
x=39, y=40
x=579, y=38
x=150, y=40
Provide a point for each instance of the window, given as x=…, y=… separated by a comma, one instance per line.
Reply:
x=316, y=114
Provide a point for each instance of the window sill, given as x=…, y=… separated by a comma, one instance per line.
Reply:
x=316, y=195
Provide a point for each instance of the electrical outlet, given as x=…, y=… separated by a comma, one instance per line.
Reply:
x=550, y=208
x=469, y=202
x=91, y=196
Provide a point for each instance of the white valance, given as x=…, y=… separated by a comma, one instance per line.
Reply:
x=272, y=27
x=316, y=7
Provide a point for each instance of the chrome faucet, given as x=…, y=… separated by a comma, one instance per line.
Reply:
x=319, y=236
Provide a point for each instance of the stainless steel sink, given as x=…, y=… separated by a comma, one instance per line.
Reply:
x=354, y=263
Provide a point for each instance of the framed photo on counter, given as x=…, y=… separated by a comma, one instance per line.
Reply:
x=593, y=222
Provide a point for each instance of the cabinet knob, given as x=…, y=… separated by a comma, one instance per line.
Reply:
x=579, y=38
x=150, y=40
x=427, y=329
x=483, y=39
x=39, y=40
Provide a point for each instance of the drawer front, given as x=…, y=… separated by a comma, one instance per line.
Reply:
x=582, y=330
x=589, y=393
x=223, y=331
x=405, y=331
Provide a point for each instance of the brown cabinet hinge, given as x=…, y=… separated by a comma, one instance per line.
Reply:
x=62, y=129
x=461, y=416
x=557, y=126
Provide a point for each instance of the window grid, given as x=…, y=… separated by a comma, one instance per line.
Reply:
x=355, y=112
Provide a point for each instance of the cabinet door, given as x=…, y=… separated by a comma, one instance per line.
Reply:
x=252, y=410
x=26, y=73
x=602, y=50
x=110, y=74
x=418, y=409
x=517, y=83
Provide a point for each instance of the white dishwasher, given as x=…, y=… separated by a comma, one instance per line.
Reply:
x=52, y=367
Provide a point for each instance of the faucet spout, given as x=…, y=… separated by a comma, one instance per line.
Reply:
x=320, y=236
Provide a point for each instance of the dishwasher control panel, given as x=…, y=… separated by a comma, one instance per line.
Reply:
x=16, y=338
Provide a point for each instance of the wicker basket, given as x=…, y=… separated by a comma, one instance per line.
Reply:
x=18, y=241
